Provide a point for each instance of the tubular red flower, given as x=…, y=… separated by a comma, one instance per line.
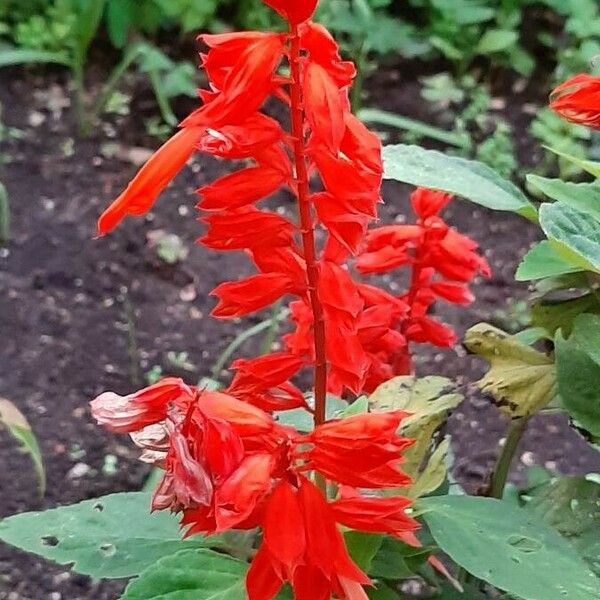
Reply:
x=240, y=189
x=295, y=11
x=303, y=545
x=360, y=451
x=263, y=381
x=578, y=100
x=237, y=299
x=324, y=106
x=374, y=514
x=125, y=414
x=153, y=178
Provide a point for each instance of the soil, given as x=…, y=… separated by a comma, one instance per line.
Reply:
x=79, y=316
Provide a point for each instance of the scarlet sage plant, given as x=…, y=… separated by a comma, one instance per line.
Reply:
x=228, y=463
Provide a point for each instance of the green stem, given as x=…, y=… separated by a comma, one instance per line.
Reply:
x=240, y=339
x=501, y=470
x=4, y=216
x=79, y=82
x=359, y=80
x=500, y=474
x=273, y=329
x=110, y=86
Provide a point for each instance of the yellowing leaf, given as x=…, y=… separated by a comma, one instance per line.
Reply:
x=19, y=428
x=429, y=399
x=521, y=379
x=433, y=474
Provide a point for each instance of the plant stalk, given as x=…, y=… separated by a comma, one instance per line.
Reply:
x=501, y=470
x=307, y=228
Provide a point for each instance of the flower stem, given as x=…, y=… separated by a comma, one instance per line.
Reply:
x=307, y=227
x=500, y=475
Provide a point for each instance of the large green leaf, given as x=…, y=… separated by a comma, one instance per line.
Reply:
x=582, y=196
x=560, y=314
x=521, y=379
x=113, y=536
x=429, y=400
x=18, y=426
x=467, y=178
x=543, y=261
x=578, y=370
x=508, y=547
x=363, y=547
x=573, y=233
x=572, y=506
x=191, y=575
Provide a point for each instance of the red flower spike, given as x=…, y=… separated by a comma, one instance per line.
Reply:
x=294, y=11
x=578, y=100
x=428, y=203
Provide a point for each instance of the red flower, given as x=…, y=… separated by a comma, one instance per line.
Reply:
x=374, y=514
x=124, y=414
x=264, y=381
x=237, y=299
x=237, y=230
x=360, y=451
x=303, y=545
x=295, y=11
x=153, y=178
x=578, y=100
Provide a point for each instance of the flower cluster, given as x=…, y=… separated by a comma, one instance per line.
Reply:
x=578, y=100
x=442, y=263
x=229, y=465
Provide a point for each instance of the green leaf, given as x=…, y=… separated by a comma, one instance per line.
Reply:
x=582, y=196
x=574, y=235
x=119, y=17
x=572, y=506
x=543, y=261
x=363, y=547
x=24, y=56
x=578, y=370
x=88, y=22
x=509, y=548
x=358, y=407
x=429, y=399
x=433, y=475
x=554, y=315
x=302, y=420
x=593, y=168
x=190, y=575
x=467, y=178
x=390, y=562
x=110, y=537
x=18, y=426
x=380, y=591
x=382, y=117
x=496, y=40
x=521, y=379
